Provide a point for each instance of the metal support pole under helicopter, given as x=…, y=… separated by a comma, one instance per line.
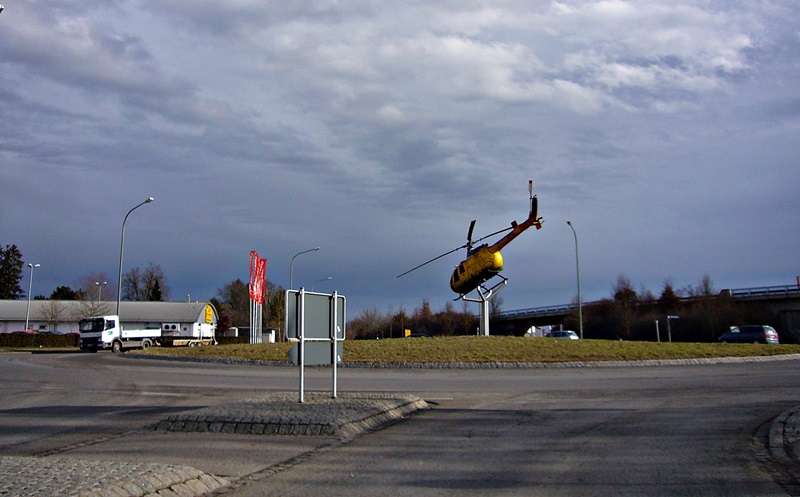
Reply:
x=483, y=323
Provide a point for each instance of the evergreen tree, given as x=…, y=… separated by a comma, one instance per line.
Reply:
x=64, y=293
x=10, y=272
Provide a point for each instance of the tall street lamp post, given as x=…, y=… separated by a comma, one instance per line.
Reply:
x=578, y=270
x=291, y=265
x=121, y=247
x=669, y=326
x=30, y=289
x=100, y=290
x=320, y=281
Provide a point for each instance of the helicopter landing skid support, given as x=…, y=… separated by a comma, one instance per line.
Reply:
x=483, y=329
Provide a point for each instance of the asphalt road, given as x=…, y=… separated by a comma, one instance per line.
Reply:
x=655, y=430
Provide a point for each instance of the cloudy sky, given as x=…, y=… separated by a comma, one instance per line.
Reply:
x=666, y=131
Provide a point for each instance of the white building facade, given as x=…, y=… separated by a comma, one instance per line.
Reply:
x=62, y=316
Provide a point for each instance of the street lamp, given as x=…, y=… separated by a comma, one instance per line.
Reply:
x=291, y=264
x=100, y=290
x=319, y=281
x=30, y=288
x=669, y=326
x=121, y=246
x=578, y=270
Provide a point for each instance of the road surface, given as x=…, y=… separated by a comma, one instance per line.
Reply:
x=654, y=430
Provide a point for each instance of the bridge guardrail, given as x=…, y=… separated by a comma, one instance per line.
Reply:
x=759, y=291
x=763, y=290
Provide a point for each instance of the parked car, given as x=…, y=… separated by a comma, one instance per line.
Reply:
x=568, y=334
x=750, y=334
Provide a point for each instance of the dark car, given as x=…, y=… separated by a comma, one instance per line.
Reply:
x=750, y=334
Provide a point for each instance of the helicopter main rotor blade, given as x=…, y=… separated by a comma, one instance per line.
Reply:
x=434, y=259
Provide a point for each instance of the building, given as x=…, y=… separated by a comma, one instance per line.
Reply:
x=62, y=316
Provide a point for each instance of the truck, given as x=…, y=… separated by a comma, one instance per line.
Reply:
x=106, y=332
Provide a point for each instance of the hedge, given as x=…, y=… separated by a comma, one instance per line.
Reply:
x=39, y=340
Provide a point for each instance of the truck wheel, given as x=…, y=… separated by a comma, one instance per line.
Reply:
x=146, y=344
x=116, y=347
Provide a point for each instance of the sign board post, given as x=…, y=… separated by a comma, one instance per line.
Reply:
x=316, y=322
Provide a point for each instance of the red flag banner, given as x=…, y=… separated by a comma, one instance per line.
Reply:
x=253, y=265
x=258, y=277
x=261, y=280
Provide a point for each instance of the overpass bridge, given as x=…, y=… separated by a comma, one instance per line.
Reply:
x=782, y=299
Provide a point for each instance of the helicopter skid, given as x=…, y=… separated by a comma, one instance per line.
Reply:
x=485, y=293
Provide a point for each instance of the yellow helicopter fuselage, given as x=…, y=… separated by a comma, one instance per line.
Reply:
x=486, y=261
x=482, y=265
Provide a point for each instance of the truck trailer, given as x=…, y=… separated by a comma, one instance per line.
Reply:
x=105, y=332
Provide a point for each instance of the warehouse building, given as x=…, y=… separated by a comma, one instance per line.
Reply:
x=62, y=316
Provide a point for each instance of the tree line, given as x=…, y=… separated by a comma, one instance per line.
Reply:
x=702, y=314
x=138, y=284
x=371, y=323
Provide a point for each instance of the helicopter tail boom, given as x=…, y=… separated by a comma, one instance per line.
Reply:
x=517, y=229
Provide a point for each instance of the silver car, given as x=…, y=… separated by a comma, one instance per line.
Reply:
x=750, y=334
x=568, y=334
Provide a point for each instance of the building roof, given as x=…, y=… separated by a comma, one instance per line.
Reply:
x=130, y=312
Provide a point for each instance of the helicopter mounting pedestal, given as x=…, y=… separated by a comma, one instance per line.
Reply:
x=483, y=329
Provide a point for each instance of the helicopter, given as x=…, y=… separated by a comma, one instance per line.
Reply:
x=486, y=261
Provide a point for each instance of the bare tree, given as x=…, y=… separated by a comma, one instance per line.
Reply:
x=495, y=305
x=275, y=304
x=94, y=286
x=234, y=300
x=53, y=313
x=626, y=299
x=145, y=285
x=707, y=297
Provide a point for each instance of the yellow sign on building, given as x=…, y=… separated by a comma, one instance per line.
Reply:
x=209, y=314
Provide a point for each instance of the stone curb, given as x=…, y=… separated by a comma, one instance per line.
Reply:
x=281, y=414
x=489, y=365
x=783, y=438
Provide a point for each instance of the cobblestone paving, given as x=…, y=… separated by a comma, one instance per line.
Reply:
x=275, y=413
x=57, y=477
